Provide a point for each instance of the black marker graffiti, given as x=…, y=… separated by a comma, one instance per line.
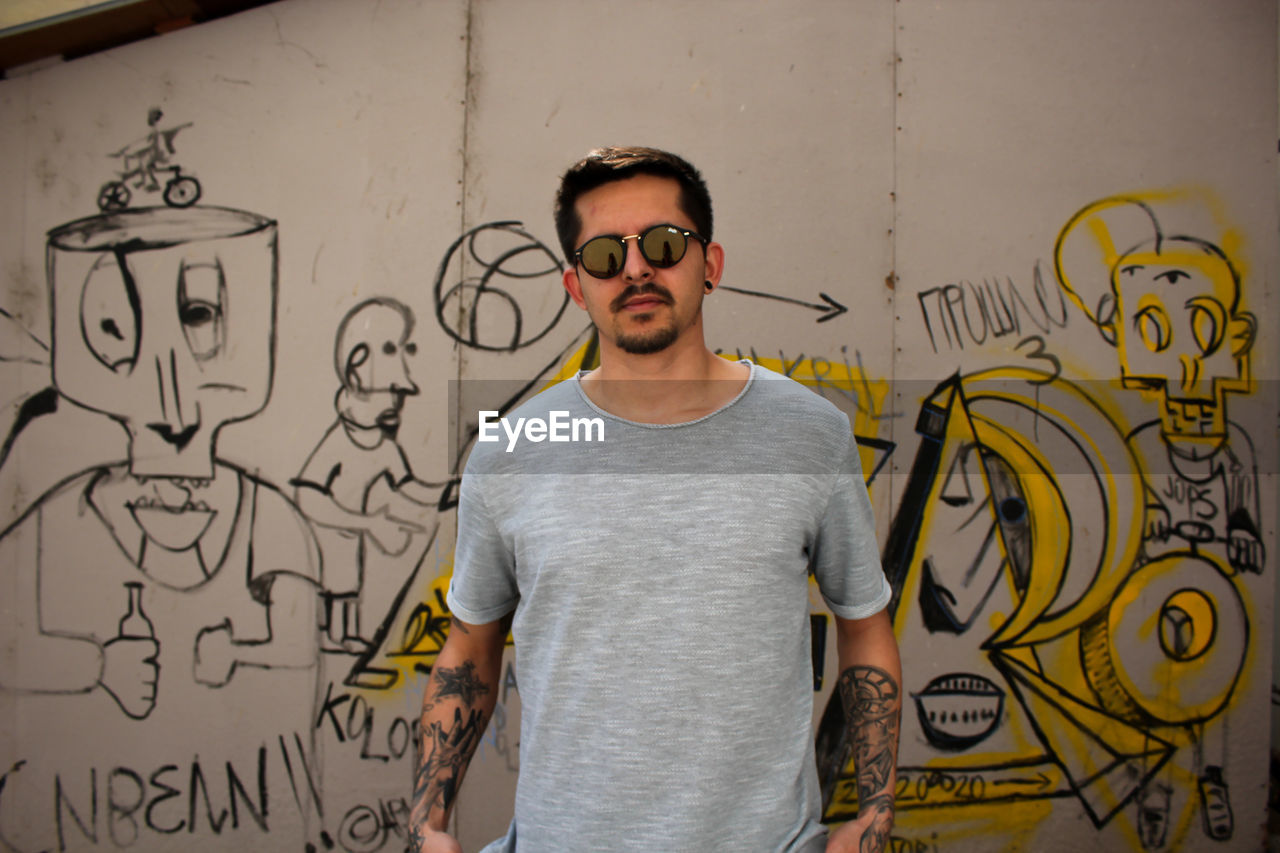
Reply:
x=361, y=726
x=126, y=804
x=954, y=313
x=828, y=308
x=174, y=515
x=960, y=710
x=136, y=631
x=357, y=487
x=476, y=312
x=164, y=593
x=141, y=162
x=367, y=828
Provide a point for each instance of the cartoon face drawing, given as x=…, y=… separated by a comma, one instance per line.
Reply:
x=1171, y=306
x=371, y=354
x=1179, y=332
x=163, y=319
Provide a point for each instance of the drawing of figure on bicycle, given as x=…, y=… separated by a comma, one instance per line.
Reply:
x=141, y=161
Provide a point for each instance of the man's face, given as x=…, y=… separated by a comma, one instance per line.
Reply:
x=643, y=309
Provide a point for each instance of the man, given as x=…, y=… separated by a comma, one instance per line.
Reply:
x=656, y=581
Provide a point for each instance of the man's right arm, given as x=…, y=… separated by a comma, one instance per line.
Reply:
x=456, y=706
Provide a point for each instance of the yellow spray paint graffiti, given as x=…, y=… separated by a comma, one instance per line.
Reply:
x=1071, y=668
x=1069, y=579
x=1172, y=308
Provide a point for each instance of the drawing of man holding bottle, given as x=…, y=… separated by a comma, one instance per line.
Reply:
x=173, y=586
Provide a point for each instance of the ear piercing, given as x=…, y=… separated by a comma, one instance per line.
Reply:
x=708, y=286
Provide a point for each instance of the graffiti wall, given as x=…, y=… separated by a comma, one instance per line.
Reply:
x=260, y=277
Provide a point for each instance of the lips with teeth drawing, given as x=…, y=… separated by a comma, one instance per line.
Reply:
x=175, y=524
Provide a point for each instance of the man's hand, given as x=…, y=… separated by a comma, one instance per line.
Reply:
x=130, y=673
x=425, y=840
x=868, y=833
x=456, y=705
x=871, y=695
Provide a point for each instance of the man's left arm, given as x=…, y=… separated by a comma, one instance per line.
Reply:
x=870, y=691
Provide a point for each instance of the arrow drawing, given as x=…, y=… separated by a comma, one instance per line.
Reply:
x=1040, y=782
x=831, y=309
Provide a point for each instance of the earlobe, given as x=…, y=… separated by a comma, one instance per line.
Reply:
x=573, y=285
x=713, y=267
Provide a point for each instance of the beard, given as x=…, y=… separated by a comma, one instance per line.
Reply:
x=644, y=343
x=649, y=340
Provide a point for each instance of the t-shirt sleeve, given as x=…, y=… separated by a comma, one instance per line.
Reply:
x=322, y=466
x=483, y=587
x=845, y=557
x=282, y=539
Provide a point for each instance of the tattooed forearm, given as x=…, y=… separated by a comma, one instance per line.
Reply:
x=447, y=744
x=460, y=681
x=447, y=755
x=872, y=704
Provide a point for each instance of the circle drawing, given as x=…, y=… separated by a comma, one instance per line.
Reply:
x=500, y=299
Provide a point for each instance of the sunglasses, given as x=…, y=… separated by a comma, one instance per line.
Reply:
x=662, y=246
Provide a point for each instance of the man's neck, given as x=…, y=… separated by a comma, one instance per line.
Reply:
x=673, y=386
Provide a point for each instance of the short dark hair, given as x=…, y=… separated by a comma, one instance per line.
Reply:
x=606, y=165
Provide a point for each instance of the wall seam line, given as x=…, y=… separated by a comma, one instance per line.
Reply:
x=468, y=93
x=894, y=437
x=464, y=185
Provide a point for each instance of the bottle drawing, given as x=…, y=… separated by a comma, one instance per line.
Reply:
x=133, y=688
x=135, y=624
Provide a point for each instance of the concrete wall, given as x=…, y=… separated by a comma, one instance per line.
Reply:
x=1030, y=247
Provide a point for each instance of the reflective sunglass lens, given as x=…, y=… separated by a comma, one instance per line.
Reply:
x=602, y=257
x=663, y=246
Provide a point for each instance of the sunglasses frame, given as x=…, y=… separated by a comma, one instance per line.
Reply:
x=639, y=238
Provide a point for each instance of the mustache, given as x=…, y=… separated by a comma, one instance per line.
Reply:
x=649, y=288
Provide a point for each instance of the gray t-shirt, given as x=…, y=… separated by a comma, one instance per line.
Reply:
x=659, y=577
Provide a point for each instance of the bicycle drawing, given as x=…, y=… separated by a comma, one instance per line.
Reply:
x=141, y=163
